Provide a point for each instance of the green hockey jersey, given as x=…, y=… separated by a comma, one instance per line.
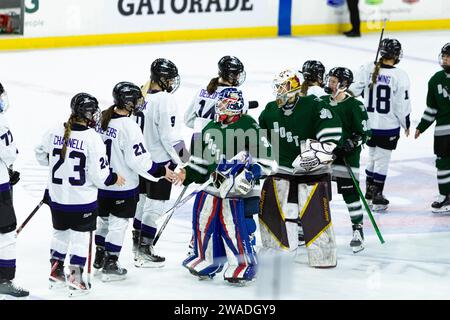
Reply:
x=218, y=141
x=438, y=105
x=288, y=130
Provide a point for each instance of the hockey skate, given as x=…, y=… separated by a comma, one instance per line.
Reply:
x=441, y=205
x=146, y=258
x=369, y=194
x=99, y=260
x=200, y=276
x=136, y=236
x=9, y=289
x=111, y=269
x=379, y=202
x=77, y=287
x=243, y=278
x=57, y=278
x=357, y=243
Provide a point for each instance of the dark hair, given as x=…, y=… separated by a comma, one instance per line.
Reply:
x=106, y=117
x=212, y=85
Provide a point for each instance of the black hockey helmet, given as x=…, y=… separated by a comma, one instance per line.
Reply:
x=85, y=107
x=445, y=51
x=232, y=70
x=165, y=73
x=391, y=49
x=313, y=71
x=127, y=96
x=344, y=76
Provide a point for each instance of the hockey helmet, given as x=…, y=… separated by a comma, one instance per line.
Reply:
x=127, y=96
x=165, y=73
x=232, y=70
x=445, y=55
x=313, y=71
x=286, y=85
x=85, y=107
x=230, y=103
x=391, y=49
x=344, y=78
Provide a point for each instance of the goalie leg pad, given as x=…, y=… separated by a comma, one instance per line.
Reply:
x=316, y=220
x=278, y=216
x=208, y=255
x=239, y=250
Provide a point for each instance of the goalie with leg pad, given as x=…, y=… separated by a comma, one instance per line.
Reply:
x=306, y=133
x=219, y=222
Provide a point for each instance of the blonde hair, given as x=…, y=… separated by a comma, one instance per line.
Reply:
x=304, y=88
x=376, y=72
x=67, y=132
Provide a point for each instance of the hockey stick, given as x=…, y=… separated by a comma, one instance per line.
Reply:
x=89, y=260
x=29, y=217
x=350, y=172
x=379, y=42
x=178, y=204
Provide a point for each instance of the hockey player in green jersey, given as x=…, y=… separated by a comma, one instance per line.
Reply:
x=438, y=109
x=305, y=133
x=221, y=233
x=355, y=132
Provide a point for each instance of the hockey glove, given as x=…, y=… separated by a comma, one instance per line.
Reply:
x=245, y=181
x=14, y=176
x=316, y=155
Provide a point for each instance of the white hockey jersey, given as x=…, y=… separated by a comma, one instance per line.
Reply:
x=158, y=124
x=73, y=182
x=8, y=152
x=387, y=102
x=127, y=155
x=316, y=90
x=203, y=106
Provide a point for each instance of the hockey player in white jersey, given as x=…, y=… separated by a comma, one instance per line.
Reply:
x=158, y=120
x=313, y=75
x=128, y=155
x=79, y=166
x=8, y=222
x=385, y=89
x=231, y=74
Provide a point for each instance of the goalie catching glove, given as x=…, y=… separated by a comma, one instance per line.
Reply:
x=316, y=156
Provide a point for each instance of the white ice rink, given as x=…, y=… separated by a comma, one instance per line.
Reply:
x=414, y=263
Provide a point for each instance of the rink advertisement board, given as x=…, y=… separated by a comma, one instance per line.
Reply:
x=56, y=23
x=400, y=14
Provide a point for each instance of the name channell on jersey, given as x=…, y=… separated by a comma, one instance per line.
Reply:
x=127, y=155
x=157, y=121
x=73, y=181
x=387, y=102
x=8, y=153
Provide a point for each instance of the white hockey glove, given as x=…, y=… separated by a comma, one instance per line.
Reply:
x=245, y=181
x=224, y=178
x=316, y=156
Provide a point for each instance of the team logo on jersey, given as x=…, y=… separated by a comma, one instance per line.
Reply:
x=325, y=113
x=444, y=91
x=87, y=215
x=120, y=202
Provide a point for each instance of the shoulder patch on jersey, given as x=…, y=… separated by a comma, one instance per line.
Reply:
x=325, y=113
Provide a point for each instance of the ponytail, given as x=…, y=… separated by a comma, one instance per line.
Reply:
x=212, y=86
x=106, y=117
x=67, y=131
x=375, y=73
x=304, y=88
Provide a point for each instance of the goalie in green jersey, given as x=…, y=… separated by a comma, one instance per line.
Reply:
x=305, y=133
x=355, y=132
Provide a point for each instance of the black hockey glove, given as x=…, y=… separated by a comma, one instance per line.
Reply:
x=14, y=176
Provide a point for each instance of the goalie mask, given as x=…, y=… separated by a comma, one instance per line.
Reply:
x=4, y=102
x=232, y=70
x=286, y=87
x=85, y=108
x=165, y=73
x=128, y=96
x=338, y=80
x=444, y=58
x=229, y=105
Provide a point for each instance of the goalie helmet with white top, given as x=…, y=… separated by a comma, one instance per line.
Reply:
x=444, y=58
x=127, y=96
x=229, y=105
x=286, y=88
x=85, y=107
x=165, y=73
x=338, y=80
x=4, y=102
x=315, y=156
x=231, y=69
